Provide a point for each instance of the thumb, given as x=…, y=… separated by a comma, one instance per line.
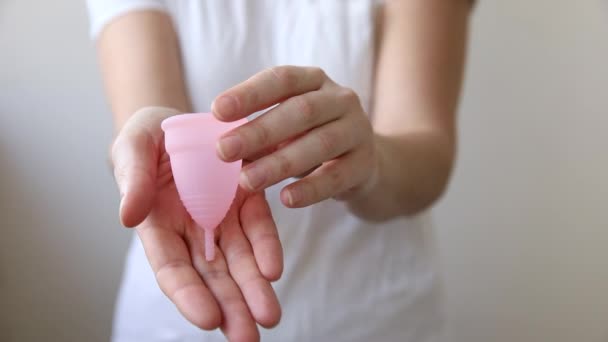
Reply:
x=135, y=155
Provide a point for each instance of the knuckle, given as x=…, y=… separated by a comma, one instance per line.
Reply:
x=248, y=93
x=328, y=141
x=172, y=266
x=318, y=74
x=166, y=271
x=305, y=109
x=348, y=95
x=214, y=274
x=284, y=165
x=285, y=75
x=264, y=238
x=334, y=176
x=239, y=253
x=260, y=133
x=250, y=280
x=231, y=301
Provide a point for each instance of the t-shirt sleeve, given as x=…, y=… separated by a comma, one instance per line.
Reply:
x=101, y=12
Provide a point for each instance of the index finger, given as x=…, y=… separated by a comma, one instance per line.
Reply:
x=265, y=89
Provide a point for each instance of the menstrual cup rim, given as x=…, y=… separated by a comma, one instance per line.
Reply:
x=181, y=119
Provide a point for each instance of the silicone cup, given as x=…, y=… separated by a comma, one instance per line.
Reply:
x=206, y=184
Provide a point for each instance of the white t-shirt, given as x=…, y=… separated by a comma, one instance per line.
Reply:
x=344, y=279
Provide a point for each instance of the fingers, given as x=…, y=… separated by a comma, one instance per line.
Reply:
x=314, y=148
x=265, y=89
x=291, y=118
x=238, y=323
x=261, y=231
x=177, y=278
x=259, y=295
x=135, y=155
x=336, y=178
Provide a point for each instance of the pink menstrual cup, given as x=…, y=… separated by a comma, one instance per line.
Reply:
x=206, y=184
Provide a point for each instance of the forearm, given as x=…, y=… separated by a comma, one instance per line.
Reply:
x=141, y=66
x=416, y=100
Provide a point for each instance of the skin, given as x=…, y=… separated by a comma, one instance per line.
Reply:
x=397, y=165
x=369, y=165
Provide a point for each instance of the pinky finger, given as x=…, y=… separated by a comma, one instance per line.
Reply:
x=333, y=178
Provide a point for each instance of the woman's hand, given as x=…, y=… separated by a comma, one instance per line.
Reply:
x=317, y=125
x=233, y=291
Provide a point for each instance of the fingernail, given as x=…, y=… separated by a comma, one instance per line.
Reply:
x=225, y=106
x=229, y=147
x=253, y=177
x=291, y=197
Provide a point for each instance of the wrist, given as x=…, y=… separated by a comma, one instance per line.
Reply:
x=373, y=180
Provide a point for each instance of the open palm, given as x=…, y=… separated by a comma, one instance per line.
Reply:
x=233, y=291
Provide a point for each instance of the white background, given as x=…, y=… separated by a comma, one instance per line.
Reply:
x=523, y=229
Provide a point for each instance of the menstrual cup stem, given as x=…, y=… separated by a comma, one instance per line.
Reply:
x=209, y=244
